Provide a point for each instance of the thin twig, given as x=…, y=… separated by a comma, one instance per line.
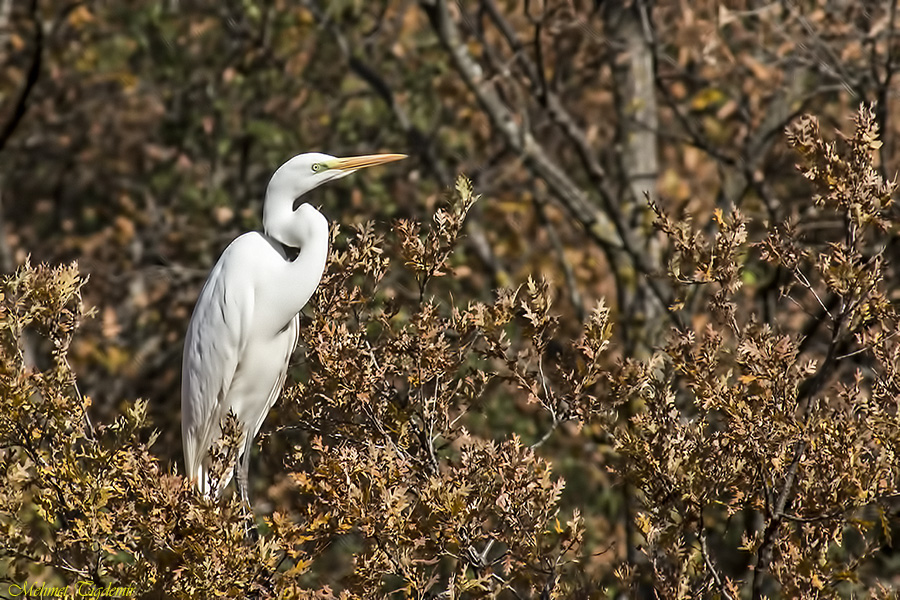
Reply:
x=704, y=549
x=568, y=272
x=31, y=77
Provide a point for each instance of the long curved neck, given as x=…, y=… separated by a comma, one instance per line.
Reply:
x=278, y=212
x=305, y=229
x=314, y=247
x=305, y=271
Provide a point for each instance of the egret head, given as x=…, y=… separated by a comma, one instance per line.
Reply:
x=284, y=217
x=308, y=171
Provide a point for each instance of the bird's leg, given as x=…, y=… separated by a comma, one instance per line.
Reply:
x=242, y=476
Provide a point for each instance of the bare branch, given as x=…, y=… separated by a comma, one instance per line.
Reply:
x=521, y=140
x=605, y=227
x=31, y=78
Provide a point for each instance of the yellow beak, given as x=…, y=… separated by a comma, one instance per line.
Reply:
x=360, y=162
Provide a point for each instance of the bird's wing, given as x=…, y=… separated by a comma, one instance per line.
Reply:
x=253, y=428
x=293, y=329
x=213, y=347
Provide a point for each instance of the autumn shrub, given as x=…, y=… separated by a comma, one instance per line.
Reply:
x=762, y=445
x=766, y=450
x=386, y=458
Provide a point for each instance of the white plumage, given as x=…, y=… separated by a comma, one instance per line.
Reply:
x=246, y=322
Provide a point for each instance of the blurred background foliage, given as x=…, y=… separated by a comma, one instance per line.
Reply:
x=137, y=138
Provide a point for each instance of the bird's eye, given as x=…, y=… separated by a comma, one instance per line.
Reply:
x=316, y=167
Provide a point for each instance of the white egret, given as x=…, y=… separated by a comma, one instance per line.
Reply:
x=246, y=322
